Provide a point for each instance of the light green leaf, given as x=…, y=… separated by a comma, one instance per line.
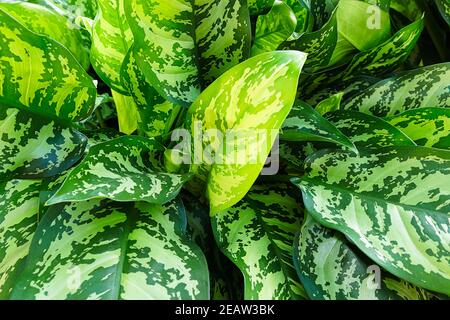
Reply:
x=19, y=215
x=36, y=147
x=182, y=46
x=255, y=95
x=44, y=21
x=362, y=25
x=306, y=124
x=367, y=131
x=332, y=269
x=257, y=235
x=393, y=204
x=330, y=104
x=40, y=75
x=123, y=169
x=110, y=250
x=429, y=127
x=127, y=112
x=72, y=8
x=111, y=39
x=424, y=87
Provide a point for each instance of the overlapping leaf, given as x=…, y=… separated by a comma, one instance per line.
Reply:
x=34, y=147
x=156, y=115
x=429, y=127
x=110, y=250
x=123, y=169
x=111, y=39
x=305, y=124
x=367, y=131
x=44, y=21
x=255, y=95
x=19, y=215
x=393, y=204
x=273, y=28
x=332, y=269
x=423, y=87
x=182, y=46
x=40, y=75
x=257, y=235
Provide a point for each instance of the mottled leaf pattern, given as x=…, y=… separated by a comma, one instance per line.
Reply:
x=424, y=87
x=47, y=22
x=110, y=250
x=331, y=269
x=319, y=44
x=257, y=235
x=39, y=74
x=305, y=124
x=122, y=169
x=156, y=114
x=257, y=7
x=19, y=215
x=255, y=95
x=273, y=28
x=111, y=39
x=393, y=204
x=34, y=147
x=367, y=131
x=183, y=45
x=429, y=127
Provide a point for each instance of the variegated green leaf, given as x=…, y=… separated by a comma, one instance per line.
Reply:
x=332, y=269
x=444, y=8
x=44, y=21
x=40, y=75
x=181, y=46
x=306, y=124
x=273, y=28
x=127, y=113
x=100, y=136
x=319, y=44
x=123, y=169
x=19, y=215
x=295, y=153
x=302, y=12
x=156, y=114
x=225, y=278
x=257, y=7
x=255, y=96
x=257, y=235
x=424, y=87
x=72, y=8
x=111, y=39
x=429, y=127
x=367, y=131
x=111, y=250
x=389, y=55
x=35, y=147
x=322, y=11
x=393, y=204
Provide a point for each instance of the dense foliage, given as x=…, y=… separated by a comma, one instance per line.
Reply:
x=117, y=183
